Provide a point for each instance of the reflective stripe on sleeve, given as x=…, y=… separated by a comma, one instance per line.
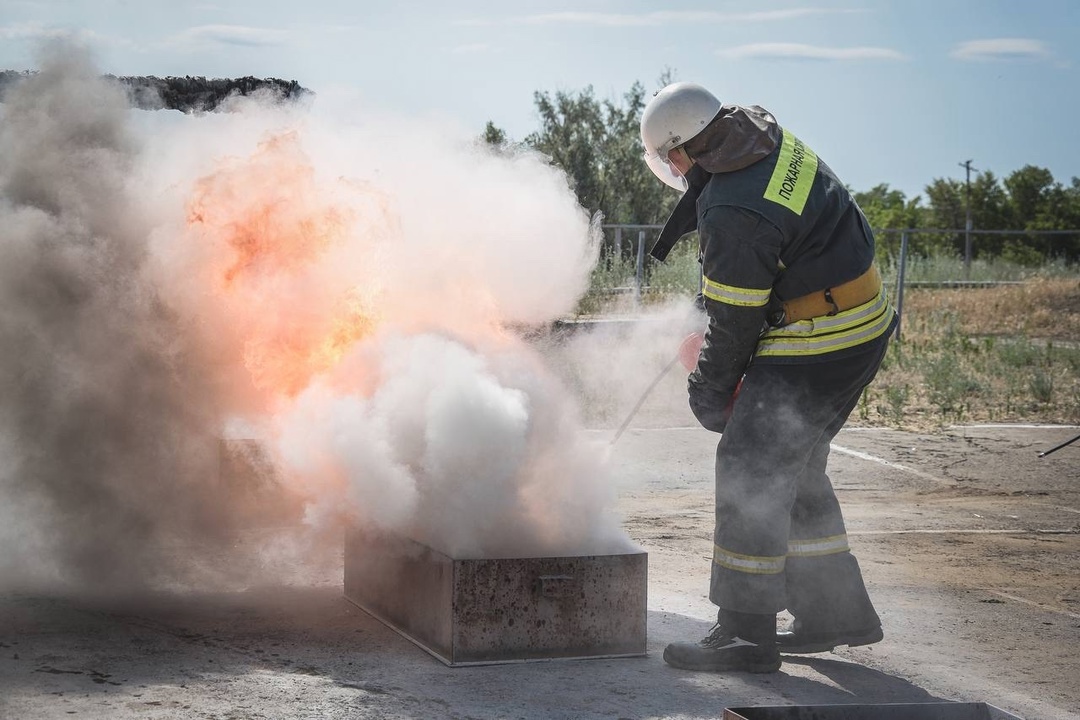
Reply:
x=753, y=564
x=743, y=297
x=812, y=547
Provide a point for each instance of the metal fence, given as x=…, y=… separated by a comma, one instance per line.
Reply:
x=1045, y=248
x=970, y=236
x=635, y=237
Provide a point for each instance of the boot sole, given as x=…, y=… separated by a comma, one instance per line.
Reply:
x=828, y=645
x=750, y=667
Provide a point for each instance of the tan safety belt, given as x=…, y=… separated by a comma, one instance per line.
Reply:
x=830, y=301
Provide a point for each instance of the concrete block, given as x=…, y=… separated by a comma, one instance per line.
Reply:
x=468, y=611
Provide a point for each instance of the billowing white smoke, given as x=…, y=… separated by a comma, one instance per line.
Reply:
x=339, y=279
x=474, y=450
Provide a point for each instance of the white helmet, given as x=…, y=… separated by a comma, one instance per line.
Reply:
x=675, y=115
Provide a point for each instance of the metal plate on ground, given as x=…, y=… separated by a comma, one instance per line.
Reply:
x=483, y=611
x=890, y=711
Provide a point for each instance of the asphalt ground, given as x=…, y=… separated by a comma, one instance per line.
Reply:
x=969, y=543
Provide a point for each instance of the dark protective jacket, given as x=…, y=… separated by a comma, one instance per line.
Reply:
x=775, y=224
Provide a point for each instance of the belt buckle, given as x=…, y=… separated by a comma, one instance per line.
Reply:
x=829, y=299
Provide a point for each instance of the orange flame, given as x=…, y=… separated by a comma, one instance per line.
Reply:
x=269, y=223
x=267, y=210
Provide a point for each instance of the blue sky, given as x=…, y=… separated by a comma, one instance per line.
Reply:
x=893, y=92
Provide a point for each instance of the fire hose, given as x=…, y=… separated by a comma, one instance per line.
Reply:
x=1057, y=447
x=688, y=354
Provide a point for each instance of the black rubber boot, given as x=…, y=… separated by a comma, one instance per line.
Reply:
x=739, y=642
x=799, y=641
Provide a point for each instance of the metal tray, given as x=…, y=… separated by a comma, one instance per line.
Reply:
x=474, y=611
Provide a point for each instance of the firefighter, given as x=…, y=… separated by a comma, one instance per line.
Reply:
x=798, y=323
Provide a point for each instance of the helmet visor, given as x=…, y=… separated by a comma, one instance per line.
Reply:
x=664, y=170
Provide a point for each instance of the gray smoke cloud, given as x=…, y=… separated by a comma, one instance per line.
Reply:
x=105, y=417
x=328, y=287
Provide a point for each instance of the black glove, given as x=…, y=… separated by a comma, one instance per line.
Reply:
x=711, y=408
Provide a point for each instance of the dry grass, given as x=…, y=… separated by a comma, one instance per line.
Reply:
x=1009, y=354
x=1047, y=309
x=1002, y=354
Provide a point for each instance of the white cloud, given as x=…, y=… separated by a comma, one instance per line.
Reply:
x=1000, y=49
x=27, y=31
x=33, y=31
x=230, y=35
x=650, y=19
x=808, y=52
x=39, y=31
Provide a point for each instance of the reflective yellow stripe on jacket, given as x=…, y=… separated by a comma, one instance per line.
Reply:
x=744, y=297
x=829, y=333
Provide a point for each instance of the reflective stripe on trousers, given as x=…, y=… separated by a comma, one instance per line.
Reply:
x=773, y=564
x=780, y=540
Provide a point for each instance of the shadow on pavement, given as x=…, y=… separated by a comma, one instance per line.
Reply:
x=802, y=680
x=862, y=683
x=281, y=650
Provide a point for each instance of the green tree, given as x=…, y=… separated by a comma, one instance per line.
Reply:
x=1030, y=190
x=1068, y=200
x=948, y=206
x=494, y=135
x=572, y=134
x=635, y=195
x=1038, y=202
x=1031, y=206
x=989, y=211
x=597, y=144
x=946, y=210
x=1026, y=199
x=888, y=209
x=946, y=198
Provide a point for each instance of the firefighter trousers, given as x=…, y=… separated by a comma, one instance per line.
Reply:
x=780, y=541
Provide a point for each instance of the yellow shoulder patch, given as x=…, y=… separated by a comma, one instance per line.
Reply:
x=794, y=174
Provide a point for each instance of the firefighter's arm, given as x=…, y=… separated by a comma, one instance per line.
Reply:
x=740, y=252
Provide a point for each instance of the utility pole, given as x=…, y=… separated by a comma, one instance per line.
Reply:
x=967, y=223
